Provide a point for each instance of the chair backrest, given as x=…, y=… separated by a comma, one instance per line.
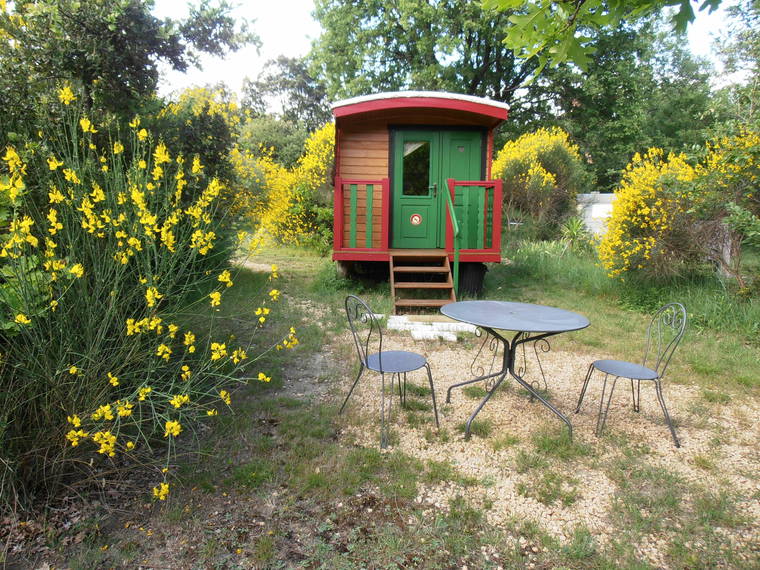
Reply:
x=663, y=335
x=364, y=327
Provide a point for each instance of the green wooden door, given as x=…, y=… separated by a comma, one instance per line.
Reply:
x=422, y=162
x=416, y=167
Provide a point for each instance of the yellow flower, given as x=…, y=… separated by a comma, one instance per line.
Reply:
x=151, y=296
x=218, y=350
x=87, y=126
x=142, y=134
x=134, y=123
x=274, y=274
x=142, y=165
x=73, y=369
x=107, y=442
x=75, y=435
x=54, y=163
x=163, y=351
x=274, y=294
x=212, y=412
x=173, y=330
x=55, y=196
x=124, y=409
x=161, y=154
x=71, y=176
x=173, y=428
x=179, y=399
x=186, y=373
x=22, y=319
x=130, y=445
x=143, y=393
x=74, y=420
x=113, y=380
x=225, y=277
x=189, y=338
x=118, y=148
x=216, y=298
x=264, y=378
x=225, y=396
x=238, y=354
x=55, y=225
x=197, y=166
x=103, y=412
x=66, y=95
x=161, y=492
x=77, y=270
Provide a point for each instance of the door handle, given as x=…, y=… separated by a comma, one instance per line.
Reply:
x=435, y=189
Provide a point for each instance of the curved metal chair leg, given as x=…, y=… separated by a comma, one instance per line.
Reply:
x=585, y=385
x=636, y=394
x=432, y=392
x=602, y=419
x=658, y=388
x=361, y=370
x=383, y=423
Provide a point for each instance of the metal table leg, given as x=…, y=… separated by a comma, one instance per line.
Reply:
x=508, y=366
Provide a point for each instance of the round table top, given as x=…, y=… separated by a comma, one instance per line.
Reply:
x=520, y=317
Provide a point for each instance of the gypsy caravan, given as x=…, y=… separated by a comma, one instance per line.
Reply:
x=413, y=190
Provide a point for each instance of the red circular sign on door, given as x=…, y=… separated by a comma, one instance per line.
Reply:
x=415, y=219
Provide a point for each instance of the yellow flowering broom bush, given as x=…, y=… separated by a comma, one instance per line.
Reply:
x=103, y=258
x=649, y=229
x=292, y=205
x=669, y=216
x=542, y=173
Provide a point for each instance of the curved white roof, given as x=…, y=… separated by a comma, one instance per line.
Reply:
x=426, y=94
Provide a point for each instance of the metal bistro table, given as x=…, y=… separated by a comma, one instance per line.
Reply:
x=530, y=322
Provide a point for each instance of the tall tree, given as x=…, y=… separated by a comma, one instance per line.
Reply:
x=110, y=47
x=302, y=97
x=641, y=89
x=415, y=44
x=740, y=50
x=557, y=31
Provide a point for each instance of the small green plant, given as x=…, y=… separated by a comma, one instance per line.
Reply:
x=481, y=428
x=474, y=392
x=716, y=397
x=559, y=445
x=254, y=473
x=526, y=461
x=550, y=488
x=504, y=441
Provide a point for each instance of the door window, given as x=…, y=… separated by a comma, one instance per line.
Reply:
x=416, y=174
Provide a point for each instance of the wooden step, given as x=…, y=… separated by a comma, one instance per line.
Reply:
x=422, y=285
x=420, y=269
x=422, y=302
x=422, y=262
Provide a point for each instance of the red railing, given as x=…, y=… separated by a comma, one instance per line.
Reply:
x=351, y=187
x=492, y=197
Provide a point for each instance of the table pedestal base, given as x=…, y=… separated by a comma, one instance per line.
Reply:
x=508, y=367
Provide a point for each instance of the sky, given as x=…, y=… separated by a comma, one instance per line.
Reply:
x=286, y=27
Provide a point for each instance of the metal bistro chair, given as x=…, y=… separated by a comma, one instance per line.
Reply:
x=393, y=362
x=663, y=335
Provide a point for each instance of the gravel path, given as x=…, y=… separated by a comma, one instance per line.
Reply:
x=722, y=435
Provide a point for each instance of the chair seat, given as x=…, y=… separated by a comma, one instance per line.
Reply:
x=396, y=361
x=625, y=369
